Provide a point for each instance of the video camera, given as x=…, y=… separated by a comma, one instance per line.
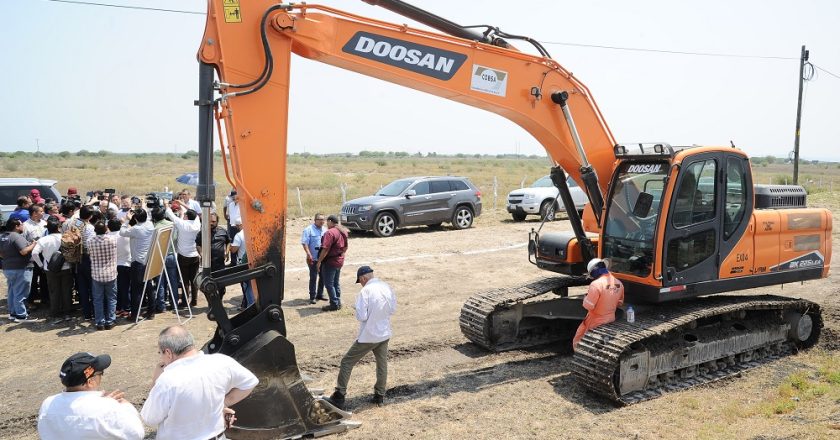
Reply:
x=155, y=199
x=100, y=194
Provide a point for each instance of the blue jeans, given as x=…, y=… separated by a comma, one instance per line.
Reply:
x=19, y=281
x=247, y=294
x=171, y=263
x=330, y=275
x=315, y=279
x=83, y=285
x=104, y=301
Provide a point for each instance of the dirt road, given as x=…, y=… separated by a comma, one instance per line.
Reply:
x=440, y=386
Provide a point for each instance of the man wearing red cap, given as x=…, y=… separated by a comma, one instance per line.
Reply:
x=83, y=410
x=35, y=196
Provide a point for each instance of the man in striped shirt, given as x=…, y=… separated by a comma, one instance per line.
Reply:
x=103, y=264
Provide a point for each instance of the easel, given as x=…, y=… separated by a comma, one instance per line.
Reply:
x=156, y=267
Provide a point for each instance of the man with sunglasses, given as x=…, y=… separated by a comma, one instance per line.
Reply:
x=83, y=410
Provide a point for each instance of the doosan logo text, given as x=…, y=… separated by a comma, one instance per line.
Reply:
x=648, y=168
x=431, y=61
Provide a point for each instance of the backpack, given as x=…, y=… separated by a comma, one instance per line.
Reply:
x=56, y=262
x=71, y=244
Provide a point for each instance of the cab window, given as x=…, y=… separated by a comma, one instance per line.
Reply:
x=736, y=200
x=695, y=201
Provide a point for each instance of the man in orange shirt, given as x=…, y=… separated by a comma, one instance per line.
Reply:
x=605, y=294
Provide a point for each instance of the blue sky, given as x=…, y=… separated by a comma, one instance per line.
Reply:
x=124, y=80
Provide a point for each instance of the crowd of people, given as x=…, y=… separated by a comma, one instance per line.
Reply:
x=86, y=259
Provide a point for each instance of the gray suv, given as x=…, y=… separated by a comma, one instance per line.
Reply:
x=414, y=201
x=13, y=187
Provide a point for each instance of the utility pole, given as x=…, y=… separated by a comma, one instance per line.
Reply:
x=802, y=60
x=37, y=145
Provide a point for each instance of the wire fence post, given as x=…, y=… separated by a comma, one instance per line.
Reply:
x=495, y=191
x=300, y=202
x=522, y=183
x=343, y=193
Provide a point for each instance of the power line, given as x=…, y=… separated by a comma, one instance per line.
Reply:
x=127, y=7
x=673, y=52
x=826, y=71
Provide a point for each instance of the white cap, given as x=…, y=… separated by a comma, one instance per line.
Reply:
x=594, y=262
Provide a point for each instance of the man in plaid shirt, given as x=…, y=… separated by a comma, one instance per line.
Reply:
x=103, y=263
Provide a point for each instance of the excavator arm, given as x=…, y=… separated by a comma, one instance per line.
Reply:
x=248, y=45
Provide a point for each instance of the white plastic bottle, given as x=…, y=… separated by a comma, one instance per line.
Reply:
x=631, y=314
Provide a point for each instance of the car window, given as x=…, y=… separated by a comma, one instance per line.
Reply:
x=421, y=188
x=458, y=185
x=439, y=186
x=9, y=194
x=543, y=182
x=394, y=188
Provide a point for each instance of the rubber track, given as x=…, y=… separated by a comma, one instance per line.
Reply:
x=476, y=314
x=599, y=352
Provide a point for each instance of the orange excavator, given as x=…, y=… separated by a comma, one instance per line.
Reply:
x=678, y=225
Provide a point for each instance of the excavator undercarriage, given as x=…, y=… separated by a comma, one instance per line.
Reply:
x=665, y=349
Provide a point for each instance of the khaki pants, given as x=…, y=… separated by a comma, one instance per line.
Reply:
x=354, y=354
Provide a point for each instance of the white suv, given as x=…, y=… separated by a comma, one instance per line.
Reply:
x=13, y=187
x=538, y=199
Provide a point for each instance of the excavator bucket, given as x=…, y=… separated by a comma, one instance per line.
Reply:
x=281, y=406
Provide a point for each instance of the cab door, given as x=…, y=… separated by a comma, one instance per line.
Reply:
x=694, y=228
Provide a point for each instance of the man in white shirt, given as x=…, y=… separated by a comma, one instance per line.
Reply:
x=83, y=411
x=34, y=229
x=375, y=304
x=123, y=269
x=233, y=215
x=192, y=391
x=237, y=252
x=60, y=282
x=188, y=229
x=189, y=202
x=140, y=232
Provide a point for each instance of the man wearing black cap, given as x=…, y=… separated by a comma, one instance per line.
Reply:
x=83, y=411
x=331, y=260
x=375, y=304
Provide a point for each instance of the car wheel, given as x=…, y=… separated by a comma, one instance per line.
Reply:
x=547, y=210
x=384, y=225
x=518, y=216
x=462, y=218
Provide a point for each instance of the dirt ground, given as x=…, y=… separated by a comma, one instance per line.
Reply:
x=440, y=386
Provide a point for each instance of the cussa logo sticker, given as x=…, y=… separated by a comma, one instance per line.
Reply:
x=645, y=168
x=426, y=60
x=487, y=80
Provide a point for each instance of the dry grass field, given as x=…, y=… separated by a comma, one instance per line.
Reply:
x=440, y=386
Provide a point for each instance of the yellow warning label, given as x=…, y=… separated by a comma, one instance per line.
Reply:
x=230, y=2
x=232, y=14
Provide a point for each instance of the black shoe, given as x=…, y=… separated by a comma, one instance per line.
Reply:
x=100, y=326
x=109, y=325
x=193, y=303
x=321, y=298
x=149, y=316
x=330, y=308
x=311, y=301
x=378, y=399
x=337, y=399
x=131, y=317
